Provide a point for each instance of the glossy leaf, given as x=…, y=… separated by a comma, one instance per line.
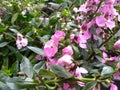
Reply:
x=107, y=70
x=36, y=50
x=46, y=74
x=37, y=67
x=3, y=44
x=90, y=85
x=26, y=67
x=60, y=71
x=14, y=17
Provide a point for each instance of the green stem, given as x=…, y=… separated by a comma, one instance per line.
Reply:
x=51, y=81
x=84, y=79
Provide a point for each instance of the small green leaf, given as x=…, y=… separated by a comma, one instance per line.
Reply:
x=36, y=50
x=14, y=68
x=46, y=74
x=3, y=44
x=38, y=66
x=26, y=67
x=107, y=70
x=26, y=84
x=117, y=7
x=90, y=85
x=13, y=30
x=14, y=17
x=3, y=86
x=12, y=86
x=60, y=71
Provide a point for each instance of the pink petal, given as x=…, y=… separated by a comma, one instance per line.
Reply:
x=113, y=87
x=100, y=21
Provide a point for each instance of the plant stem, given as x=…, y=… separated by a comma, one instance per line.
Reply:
x=84, y=79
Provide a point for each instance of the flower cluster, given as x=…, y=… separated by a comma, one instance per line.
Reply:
x=95, y=20
x=21, y=41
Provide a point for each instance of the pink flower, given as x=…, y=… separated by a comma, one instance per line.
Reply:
x=21, y=42
x=65, y=60
x=110, y=1
x=67, y=50
x=83, y=37
x=50, y=61
x=118, y=65
x=109, y=10
x=95, y=88
x=117, y=44
x=119, y=18
x=24, y=42
x=39, y=57
x=108, y=59
x=75, y=10
x=78, y=72
x=72, y=36
x=50, y=48
x=83, y=8
x=113, y=87
x=117, y=3
x=101, y=21
x=58, y=36
x=66, y=86
x=116, y=76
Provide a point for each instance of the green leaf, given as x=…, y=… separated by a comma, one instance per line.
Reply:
x=3, y=44
x=36, y=50
x=3, y=86
x=46, y=74
x=26, y=67
x=3, y=28
x=76, y=52
x=117, y=7
x=60, y=71
x=5, y=62
x=107, y=70
x=99, y=58
x=14, y=17
x=59, y=1
x=38, y=66
x=14, y=68
x=90, y=85
x=13, y=30
x=12, y=86
x=26, y=84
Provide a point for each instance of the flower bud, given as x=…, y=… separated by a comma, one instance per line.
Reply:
x=117, y=44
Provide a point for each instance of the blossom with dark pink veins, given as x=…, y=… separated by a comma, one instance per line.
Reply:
x=21, y=42
x=58, y=36
x=95, y=88
x=50, y=48
x=83, y=37
x=67, y=50
x=116, y=75
x=113, y=87
x=110, y=2
x=117, y=44
x=78, y=73
x=65, y=60
x=101, y=21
